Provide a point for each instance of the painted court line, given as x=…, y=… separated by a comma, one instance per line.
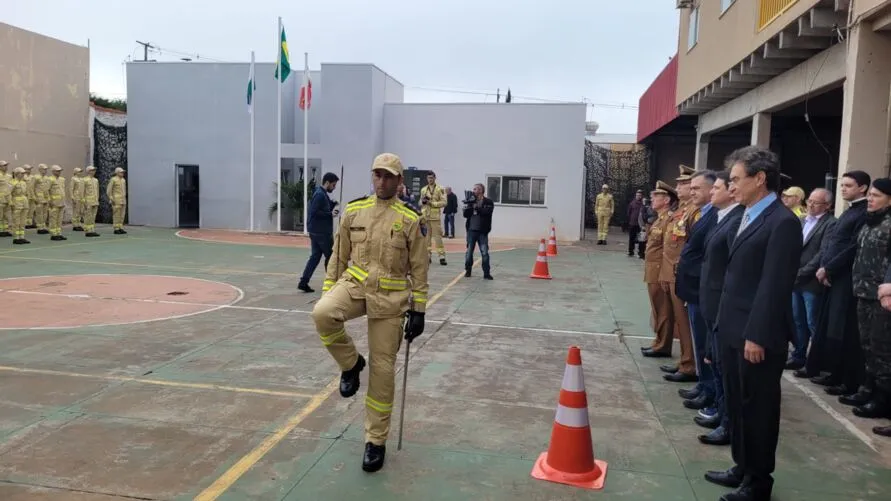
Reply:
x=845, y=422
x=213, y=270
x=227, y=479
x=158, y=382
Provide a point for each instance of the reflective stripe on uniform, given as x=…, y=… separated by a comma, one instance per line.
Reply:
x=330, y=339
x=360, y=204
x=378, y=406
x=358, y=273
x=405, y=211
x=572, y=417
x=419, y=297
x=393, y=284
x=327, y=284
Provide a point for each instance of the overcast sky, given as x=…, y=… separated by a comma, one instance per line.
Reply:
x=605, y=52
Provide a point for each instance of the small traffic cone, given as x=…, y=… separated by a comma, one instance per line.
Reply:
x=540, y=270
x=570, y=456
x=552, y=242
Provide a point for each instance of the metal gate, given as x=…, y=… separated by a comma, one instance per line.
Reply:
x=624, y=171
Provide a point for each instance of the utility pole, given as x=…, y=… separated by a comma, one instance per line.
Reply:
x=145, y=47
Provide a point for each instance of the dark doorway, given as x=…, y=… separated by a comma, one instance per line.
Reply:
x=187, y=189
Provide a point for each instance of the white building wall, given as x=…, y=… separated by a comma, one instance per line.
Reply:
x=196, y=113
x=465, y=143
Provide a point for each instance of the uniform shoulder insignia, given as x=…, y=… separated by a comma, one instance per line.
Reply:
x=412, y=208
x=358, y=199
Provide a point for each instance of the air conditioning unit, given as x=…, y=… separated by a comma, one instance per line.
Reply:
x=591, y=127
x=685, y=4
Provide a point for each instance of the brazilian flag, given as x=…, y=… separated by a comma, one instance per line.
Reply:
x=283, y=59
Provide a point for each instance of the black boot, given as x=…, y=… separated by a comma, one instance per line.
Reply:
x=878, y=407
x=863, y=395
x=373, y=459
x=349, y=380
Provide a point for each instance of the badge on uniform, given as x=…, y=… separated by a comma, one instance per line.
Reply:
x=397, y=226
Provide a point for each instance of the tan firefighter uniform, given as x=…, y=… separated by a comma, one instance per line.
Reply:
x=604, y=207
x=378, y=269
x=32, y=181
x=76, y=195
x=56, y=202
x=117, y=197
x=432, y=213
x=18, y=200
x=90, y=201
x=660, y=302
x=5, y=207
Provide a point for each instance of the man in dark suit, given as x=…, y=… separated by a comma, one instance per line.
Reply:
x=808, y=290
x=687, y=282
x=728, y=214
x=755, y=322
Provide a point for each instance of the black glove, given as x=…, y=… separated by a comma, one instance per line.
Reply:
x=414, y=326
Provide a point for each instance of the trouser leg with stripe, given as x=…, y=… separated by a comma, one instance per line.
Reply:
x=338, y=306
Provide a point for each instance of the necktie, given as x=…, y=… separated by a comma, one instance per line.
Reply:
x=744, y=223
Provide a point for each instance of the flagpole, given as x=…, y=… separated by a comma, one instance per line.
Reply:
x=278, y=124
x=305, y=138
x=253, y=76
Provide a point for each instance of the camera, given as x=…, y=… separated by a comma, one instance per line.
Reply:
x=469, y=197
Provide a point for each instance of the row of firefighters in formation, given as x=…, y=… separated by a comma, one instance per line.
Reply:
x=38, y=200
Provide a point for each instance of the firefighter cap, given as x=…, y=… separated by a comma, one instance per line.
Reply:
x=42, y=166
x=118, y=169
x=90, y=168
x=56, y=168
x=18, y=170
x=77, y=169
x=388, y=162
x=3, y=163
x=663, y=188
x=686, y=173
x=604, y=187
x=26, y=167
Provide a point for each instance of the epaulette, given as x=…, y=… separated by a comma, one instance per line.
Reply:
x=360, y=198
x=412, y=207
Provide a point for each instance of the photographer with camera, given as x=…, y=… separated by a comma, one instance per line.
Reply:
x=478, y=212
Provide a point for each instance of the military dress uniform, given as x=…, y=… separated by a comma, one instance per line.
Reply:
x=604, y=207
x=5, y=188
x=76, y=196
x=432, y=214
x=90, y=201
x=660, y=302
x=116, y=190
x=377, y=269
x=18, y=201
x=56, y=202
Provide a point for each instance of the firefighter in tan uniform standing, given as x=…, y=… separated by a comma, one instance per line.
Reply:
x=56, y=202
x=674, y=238
x=117, y=197
x=433, y=199
x=37, y=199
x=76, y=195
x=377, y=269
x=5, y=188
x=18, y=200
x=604, y=207
x=663, y=320
x=90, y=201
x=29, y=216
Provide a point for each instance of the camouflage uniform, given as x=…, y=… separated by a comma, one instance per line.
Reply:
x=873, y=259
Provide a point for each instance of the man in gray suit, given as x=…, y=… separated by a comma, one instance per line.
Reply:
x=807, y=292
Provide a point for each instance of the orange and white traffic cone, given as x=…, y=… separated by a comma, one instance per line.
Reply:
x=552, y=242
x=570, y=456
x=540, y=270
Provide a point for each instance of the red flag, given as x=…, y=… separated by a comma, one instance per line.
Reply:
x=306, y=94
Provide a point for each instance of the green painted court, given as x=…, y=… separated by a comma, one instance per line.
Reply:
x=152, y=366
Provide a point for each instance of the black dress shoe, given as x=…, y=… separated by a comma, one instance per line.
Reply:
x=873, y=409
x=839, y=389
x=680, y=377
x=862, y=397
x=689, y=393
x=884, y=431
x=671, y=369
x=718, y=437
x=711, y=422
x=700, y=402
x=732, y=478
x=656, y=354
x=804, y=374
x=794, y=364
x=349, y=380
x=747, y=493
x=827, y=380
x=373, y=459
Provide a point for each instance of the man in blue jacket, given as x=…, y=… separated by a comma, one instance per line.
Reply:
x=320, y=225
